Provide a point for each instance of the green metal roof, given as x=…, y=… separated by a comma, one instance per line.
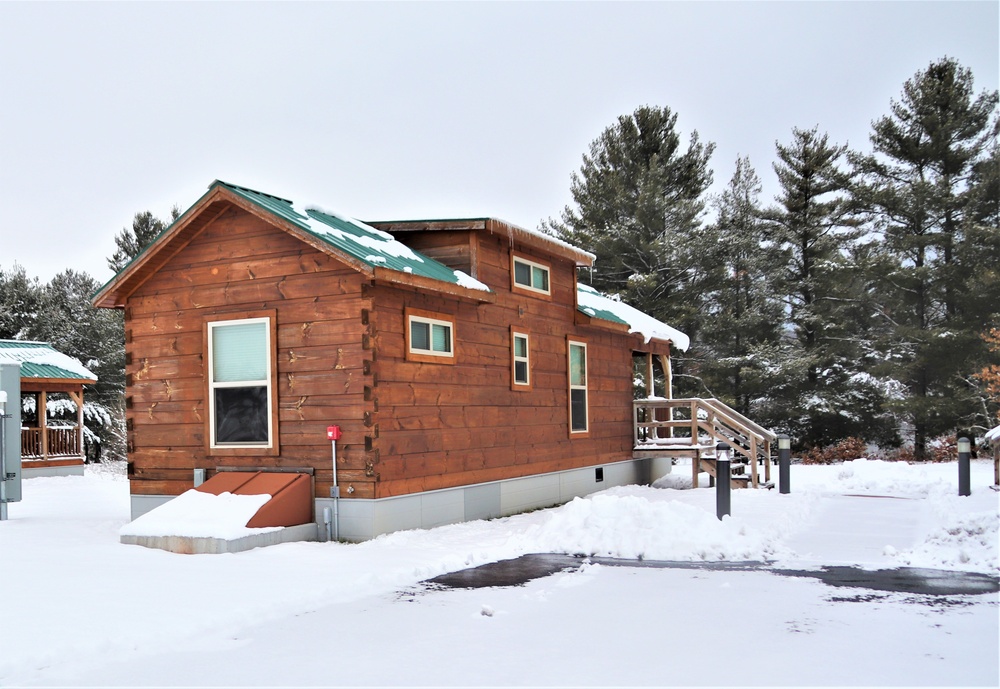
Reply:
x=596, y=305
x=40, y=360
x=368, y=245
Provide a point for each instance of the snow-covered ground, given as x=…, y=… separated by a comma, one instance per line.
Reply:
x=79, y=608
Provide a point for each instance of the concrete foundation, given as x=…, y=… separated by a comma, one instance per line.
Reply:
x=361, y=520
x=28, y=471
x=195, y=546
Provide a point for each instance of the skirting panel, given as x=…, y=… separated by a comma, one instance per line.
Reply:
x=361, y=520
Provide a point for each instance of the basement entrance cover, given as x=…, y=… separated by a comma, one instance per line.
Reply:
x=291, y=495
x=231, y=512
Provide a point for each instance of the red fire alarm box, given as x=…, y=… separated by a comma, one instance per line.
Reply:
x=333, y=432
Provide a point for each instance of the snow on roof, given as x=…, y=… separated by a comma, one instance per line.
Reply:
x=359, y=240
x=40, y=360
x=597, y=305
x=195, y=514
x=993, y=435
x=546, y=237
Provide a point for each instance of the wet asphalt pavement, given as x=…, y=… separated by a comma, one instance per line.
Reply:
x=521, y=570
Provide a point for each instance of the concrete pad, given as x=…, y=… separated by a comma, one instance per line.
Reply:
x=197, y=546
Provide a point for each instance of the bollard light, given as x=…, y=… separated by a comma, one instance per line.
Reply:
x=784, y=464
x=964, y=468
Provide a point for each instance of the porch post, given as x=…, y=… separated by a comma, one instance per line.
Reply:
x=668, y=375
x=43, y=430
x=650, y=382
x=77, y=398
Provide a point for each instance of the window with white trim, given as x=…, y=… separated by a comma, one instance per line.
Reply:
x=578, y=411
x=430, y=335
x=239, y=381
x=531, y=276
x=520, y=360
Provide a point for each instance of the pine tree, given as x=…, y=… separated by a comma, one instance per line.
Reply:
x=131, y=241
x=924, y=186
x=67, y=320
x=639, y=198
x=827, y=397
x=742, y=320
x=19, y=296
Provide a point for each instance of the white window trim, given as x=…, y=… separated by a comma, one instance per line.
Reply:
x=515, y=358
x=531, y=288
x=212, y=385
x=584, y=387
x=432, y=322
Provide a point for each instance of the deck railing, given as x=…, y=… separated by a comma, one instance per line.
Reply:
x=667, y=423
x=60, y=442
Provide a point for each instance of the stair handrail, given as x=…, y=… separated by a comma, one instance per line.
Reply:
x=750, y=424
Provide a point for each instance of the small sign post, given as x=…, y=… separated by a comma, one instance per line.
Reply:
x=333, y=435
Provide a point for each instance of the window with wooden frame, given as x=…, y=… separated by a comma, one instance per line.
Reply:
x=241, y=392
x=530, y=276
x=578, y=404
x=430, y=337
x=520, y=361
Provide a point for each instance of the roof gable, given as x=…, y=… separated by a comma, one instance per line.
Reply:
x=364, y=248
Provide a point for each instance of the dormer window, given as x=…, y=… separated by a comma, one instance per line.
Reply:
x=530, y=276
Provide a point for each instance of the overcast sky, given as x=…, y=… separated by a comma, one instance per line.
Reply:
x=417, y=110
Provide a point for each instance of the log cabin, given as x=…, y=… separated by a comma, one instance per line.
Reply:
x=469, y=374
x=49, y=447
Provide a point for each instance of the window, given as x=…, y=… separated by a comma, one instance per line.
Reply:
x=530, y=276
x=520, y=363
x=239, y=381
x=430, y=337
x=578, y=387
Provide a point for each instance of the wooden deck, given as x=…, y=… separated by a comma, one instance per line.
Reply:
x=52, y=446
x=692, y=428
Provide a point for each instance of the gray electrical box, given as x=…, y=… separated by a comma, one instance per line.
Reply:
x=10, y=382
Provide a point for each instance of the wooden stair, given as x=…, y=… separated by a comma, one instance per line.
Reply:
x=691, y=428
x=738, y=477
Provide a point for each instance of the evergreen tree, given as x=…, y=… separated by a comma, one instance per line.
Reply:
x=19, y=296
x=742, y=319
x=827, y=396
x=131, y=241
x=927, y=187
x=67, y=320
x=639, y=198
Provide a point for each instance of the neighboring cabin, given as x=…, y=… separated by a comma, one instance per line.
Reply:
x=471, y=375
x=48, y=379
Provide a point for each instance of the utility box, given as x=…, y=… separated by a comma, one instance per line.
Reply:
x=10, y=382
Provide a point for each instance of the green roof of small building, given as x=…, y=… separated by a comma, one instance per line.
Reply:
x=39, y=360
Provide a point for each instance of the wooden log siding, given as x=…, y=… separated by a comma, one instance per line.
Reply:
x=444, y=426
x=239, y=263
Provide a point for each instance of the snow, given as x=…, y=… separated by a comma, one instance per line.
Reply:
x=639, y=322
x=513, y=229
x=993, y=435
x=469, y=282
x=85, y=610
x=47, y=356
x=196, y=514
